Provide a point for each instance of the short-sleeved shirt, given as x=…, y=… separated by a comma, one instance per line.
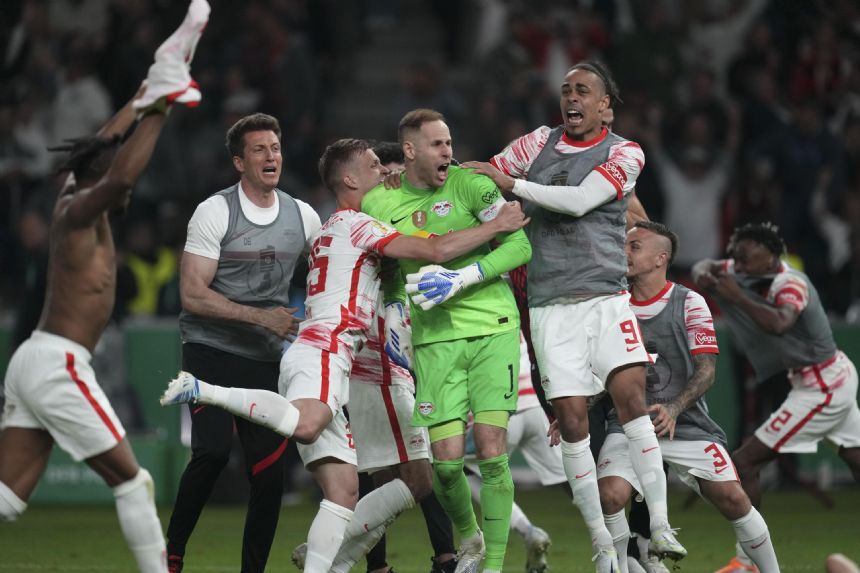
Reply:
x=464, y=201
x=343, y=281
x=701, y=337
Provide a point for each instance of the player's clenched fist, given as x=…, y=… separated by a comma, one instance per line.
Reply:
x=433, y=284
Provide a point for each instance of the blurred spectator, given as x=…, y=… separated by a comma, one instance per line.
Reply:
x=33, y=232
x=82, y=104
x=152, y=265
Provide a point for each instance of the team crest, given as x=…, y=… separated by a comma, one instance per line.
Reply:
x=419, y=218
x=425, y=408
x=417, y=442
x=442, y=208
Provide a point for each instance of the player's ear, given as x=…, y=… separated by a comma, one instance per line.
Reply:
x=409, y=150
x=349, y=181
x=239, y=164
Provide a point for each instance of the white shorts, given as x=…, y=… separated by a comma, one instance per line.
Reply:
x=310, y=372
x=688, y=459
x=380, y=418
x=51, y=386
x=579, y=345
x=825, y=409
x=335, y=441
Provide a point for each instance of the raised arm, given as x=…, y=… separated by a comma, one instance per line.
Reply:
x=772, y=318
x=111, y=191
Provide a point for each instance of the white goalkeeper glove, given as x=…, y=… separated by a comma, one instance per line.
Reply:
x=433, y=284
x=398, y=335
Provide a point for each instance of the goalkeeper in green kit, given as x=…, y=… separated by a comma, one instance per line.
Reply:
x=465, y=330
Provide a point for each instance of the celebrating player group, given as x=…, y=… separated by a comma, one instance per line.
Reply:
x=416, y=361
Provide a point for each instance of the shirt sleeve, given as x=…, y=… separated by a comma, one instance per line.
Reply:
x=787, y=289
x=701, y=337
x=516, y=159
x=311, y=223
x=613, y=179
x=368, y=234
x=207, y=228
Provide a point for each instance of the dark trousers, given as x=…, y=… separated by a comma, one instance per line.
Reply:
x=211, y=438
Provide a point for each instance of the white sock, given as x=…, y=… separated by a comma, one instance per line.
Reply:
x=754, y=538
x=618, y=528
x=647, y=462
x=353, y=550
x=138, y=520
x=519, y=520
x=11, y=506
x=582, y=474
x=325, y=536
x=374, y=512
x=268, y=409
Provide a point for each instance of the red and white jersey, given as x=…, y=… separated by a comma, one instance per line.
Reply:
x=623, y=166
x=527, y=396
x=701, y=337
x=343, y=281
x=786, y=288
x=372, y=365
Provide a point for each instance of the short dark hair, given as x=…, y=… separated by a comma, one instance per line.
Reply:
x=89, y=157
x=254, y=122
x=662, y=230
x=601, y=71
x=336, y=156
x=389, y=152
x=415, y=119
x=765, y=234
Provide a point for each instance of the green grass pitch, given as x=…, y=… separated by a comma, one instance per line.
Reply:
x=56, y=539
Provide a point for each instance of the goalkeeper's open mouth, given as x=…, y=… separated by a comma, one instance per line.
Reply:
x=442, y=172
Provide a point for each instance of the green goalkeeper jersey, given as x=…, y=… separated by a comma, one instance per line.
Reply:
x=464, y=201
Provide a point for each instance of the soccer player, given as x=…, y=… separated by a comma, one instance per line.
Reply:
x=51, y=391
x=439, y=529
x=527, y=430
x=778, y=321
x=341, y=308
x=679, y=334
x=467, y=349
x=577, y=179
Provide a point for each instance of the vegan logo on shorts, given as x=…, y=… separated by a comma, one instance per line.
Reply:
x=490, y=196
x=425, y=408
x=442, y=208
x=419, y=218
x=544, y=382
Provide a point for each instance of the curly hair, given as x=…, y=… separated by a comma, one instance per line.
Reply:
x=766, y=234
x=89, y=157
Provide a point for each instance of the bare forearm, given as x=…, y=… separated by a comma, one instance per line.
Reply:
x=121, y=121
x=133, y=157
x=210, y=304
x=705, y=366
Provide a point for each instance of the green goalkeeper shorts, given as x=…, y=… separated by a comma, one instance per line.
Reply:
x=475, y=374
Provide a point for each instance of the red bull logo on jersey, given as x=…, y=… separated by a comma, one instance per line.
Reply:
x=442, y=208
x=425, y=408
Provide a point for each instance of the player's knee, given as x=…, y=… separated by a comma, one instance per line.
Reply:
x=612, y=499
x=448, y=472
x=11, y=506
x=215, y=457
x=731, y=501
x=420, y=485
x=142, y=482
x=496, y=473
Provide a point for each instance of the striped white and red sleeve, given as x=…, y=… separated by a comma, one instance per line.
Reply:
x=701, y=337
x=788, y=289
x=368, y=234
x=516, y=159
x=623, y=167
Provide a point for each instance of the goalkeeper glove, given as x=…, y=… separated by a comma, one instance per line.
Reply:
x=433, y=284
x=398, y=335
